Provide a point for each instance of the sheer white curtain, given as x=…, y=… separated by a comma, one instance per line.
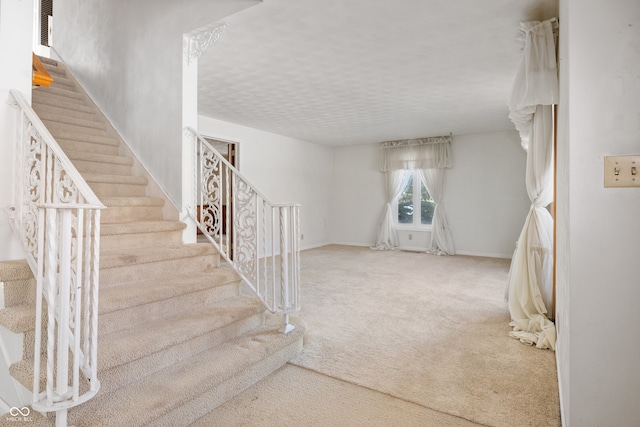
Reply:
x=387, y=239
x=430, y=154
x=535, y=89
x=441, y=240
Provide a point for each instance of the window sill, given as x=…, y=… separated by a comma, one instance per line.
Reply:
x=411, y=227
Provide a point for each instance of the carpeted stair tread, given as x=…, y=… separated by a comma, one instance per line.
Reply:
x=64, y=94
x=123, y=346
x=100, y=158
x=132, y=201
x=14, y=270
x=41, y=98
x=48, y=61
x=46, y=116
x=21, y=317
x=57, y=128
x=140, y=227
x=136, y=256
x=63, y=136
x=69, y=146
x=140, y=234
x=135, y=294
x=45, y=109
x=56, y=71
x=18, y=318
x=51, y=64
x=127, y=355
x=19, y=292
x=61, y=81
x=115, y=179
x=194, y=386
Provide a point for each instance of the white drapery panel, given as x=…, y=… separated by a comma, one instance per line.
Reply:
x=530, y=289
x=387, y=239
x=441, y=240
x=430, y=154
x=536, y=81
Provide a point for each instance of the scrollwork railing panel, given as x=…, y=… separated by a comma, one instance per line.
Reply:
x=57, y=218
x=258, y=238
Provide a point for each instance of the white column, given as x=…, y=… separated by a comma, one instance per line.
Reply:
x=16, y=34
x=189, y=119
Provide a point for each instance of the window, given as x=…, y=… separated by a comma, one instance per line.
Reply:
x=415, y=194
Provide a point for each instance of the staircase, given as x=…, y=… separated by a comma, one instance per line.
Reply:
x=177, y=338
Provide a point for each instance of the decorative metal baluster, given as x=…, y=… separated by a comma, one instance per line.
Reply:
x=77, y=327
x=250, y=221
x=86, y=294
x=50, y=270
x=95, y=264
x=284, y=269
x=64, y=276
x=49, y=219
x=228, y=210
x=37, y=358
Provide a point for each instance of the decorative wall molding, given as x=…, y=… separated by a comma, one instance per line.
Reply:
x=197, y=42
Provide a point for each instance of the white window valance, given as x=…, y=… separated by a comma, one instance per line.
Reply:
x=419, y=153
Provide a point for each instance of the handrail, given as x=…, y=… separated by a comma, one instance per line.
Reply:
x=259, y=239
x=40, y=75
x=56, y=215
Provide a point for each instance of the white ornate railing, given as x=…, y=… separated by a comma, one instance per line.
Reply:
x=261, y=240
x=57, y=217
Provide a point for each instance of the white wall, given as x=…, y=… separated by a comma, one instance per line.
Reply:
x=285, y=170
x=486, y=199
x=357, y=195
x=598, y=229
x=16, y=31
x=486, y=196
x=129, y=57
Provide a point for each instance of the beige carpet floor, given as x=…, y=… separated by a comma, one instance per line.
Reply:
x=398, y=338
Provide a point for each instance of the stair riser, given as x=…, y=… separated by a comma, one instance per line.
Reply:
x=120, y=376
x=105, y=189
x=191, y=411
x=129, y=214
x=64, y=94
x=52, y=66
x=101, y=168
x=85, y=138
x=131, y=273
x=56, y=73
x=68, y=120
x=19, y=292
x=80, y=146
x=60, y=129
x=213, y=294
x=62, y=83
x=40, y=98
x=44, y=110
x=124, y=319
x=141, y=240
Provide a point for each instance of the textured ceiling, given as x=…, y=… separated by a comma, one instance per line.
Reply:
x=341, y=72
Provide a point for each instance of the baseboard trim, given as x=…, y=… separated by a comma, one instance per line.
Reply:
x=485, y=255
x=314, y=246
x=417, y=249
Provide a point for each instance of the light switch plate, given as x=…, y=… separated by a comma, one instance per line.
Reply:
x=622, y=171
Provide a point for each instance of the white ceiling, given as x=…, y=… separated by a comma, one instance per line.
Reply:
x=339, y=72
